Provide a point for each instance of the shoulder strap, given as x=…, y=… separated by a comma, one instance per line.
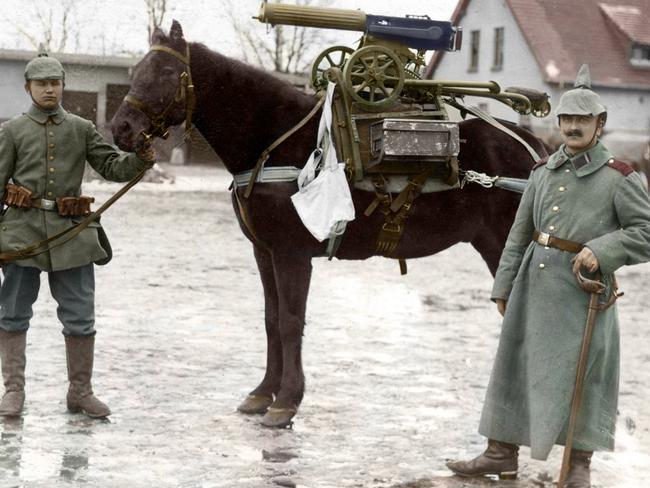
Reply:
x=540, y=163
x=624, y=168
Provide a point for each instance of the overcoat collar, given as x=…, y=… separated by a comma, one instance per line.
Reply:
x=596, y=157
x=37, y=114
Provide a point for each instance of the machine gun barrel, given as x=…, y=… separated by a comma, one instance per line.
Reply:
x=419, y=32
x=306, y=16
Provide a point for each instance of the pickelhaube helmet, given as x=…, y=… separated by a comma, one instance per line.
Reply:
x=581, y=100
x=43, y=67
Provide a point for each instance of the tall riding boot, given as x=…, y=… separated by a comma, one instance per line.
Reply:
x=12, y=354
x=500, y=458
x=578, y=476
x=80, y=351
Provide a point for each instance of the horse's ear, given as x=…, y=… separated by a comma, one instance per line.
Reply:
x=176, y=31
x=157, y=36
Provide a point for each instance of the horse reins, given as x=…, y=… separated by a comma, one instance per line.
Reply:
x=185, y=92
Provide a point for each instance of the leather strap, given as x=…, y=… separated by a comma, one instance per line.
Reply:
x=267, y=152
x=43, y=204
x=42, y=246
x=477, y=112
x=552, y=241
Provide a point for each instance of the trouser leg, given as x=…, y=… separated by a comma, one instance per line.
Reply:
x=18, y=292
x=74, y=291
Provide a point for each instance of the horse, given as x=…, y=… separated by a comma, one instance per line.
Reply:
x=240, y=110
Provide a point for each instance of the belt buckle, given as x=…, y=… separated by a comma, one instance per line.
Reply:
x=47, y=204
x=543, y=238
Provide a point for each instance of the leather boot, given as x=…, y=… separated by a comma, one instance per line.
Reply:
x=578, y=476
x=12, y=354
x=500, y=458
x=80, y=352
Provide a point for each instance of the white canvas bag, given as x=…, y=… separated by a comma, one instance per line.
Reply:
x=323, y=200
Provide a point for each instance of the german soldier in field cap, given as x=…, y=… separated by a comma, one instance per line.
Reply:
x=582, y=209
x=42, y=159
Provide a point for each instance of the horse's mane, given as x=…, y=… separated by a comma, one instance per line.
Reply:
x=234, y=92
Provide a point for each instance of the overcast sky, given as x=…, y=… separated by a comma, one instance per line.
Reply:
x=119, y=26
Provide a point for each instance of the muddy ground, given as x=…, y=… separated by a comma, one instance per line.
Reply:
x=396, y=367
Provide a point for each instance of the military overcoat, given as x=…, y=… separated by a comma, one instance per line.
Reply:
x=47, y=153
x=584, y=199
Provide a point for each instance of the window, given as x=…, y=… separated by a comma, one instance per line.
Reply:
x=640, y=55
x=473, y=53
x=497, y=62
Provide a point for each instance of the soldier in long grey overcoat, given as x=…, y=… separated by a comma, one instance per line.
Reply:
x=581, y=209
x=42, y=159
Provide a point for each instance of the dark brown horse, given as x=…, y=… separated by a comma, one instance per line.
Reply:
x=240, y=110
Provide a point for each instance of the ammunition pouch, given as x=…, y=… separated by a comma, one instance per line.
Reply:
x=17, y=196
x=74, y=206
x=21, y=197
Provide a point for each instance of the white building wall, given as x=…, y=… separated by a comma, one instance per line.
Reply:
x=13, y=98
x=628, y=111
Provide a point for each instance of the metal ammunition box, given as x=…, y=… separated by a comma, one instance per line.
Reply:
x=412, y=140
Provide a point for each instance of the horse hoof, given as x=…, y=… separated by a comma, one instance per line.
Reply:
x=255, y=404
x=278, y=417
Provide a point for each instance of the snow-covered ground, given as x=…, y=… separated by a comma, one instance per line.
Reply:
x=396, y=367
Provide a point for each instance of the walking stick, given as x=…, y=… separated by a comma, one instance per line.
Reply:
x=594, y=288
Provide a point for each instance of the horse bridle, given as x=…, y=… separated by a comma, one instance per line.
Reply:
x=185, y=92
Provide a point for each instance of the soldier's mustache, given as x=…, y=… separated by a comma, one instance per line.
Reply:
x=572, y=133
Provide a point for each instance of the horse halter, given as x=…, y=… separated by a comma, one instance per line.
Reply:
x=185, y=92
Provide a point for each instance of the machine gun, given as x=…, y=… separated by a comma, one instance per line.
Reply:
x=384, y=68
x=419, y=32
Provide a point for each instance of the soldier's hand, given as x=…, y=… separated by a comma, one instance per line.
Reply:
x=501, y=306
x=147, y=153
x=585, y=259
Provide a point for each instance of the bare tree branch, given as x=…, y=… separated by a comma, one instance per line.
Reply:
x=51, y=29
x=156, y=10
x=285, y=50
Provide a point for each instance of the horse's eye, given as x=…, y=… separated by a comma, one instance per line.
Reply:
x=168, y=71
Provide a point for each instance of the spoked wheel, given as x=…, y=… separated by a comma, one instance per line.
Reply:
x=374, y=77
x=333, y=57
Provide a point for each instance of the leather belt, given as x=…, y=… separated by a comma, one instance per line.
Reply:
x=44, y=204
x=548, y=240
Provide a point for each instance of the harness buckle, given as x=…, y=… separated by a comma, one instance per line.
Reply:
x=390, y=227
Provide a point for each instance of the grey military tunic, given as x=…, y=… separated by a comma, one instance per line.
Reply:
x=47, y=154
x=530, y=389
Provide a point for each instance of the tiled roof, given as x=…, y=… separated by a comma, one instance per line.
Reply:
x=562, y=35
x=630, y=19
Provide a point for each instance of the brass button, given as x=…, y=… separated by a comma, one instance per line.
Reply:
x=51, y=133
x=51, y=158
x=542, y=265
x=561, y=188
x=51, y=170
x=556, y=208
x=567, y=170
x=49, y=194
x=551, y=227
x=51, y=145
x=51, y=182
